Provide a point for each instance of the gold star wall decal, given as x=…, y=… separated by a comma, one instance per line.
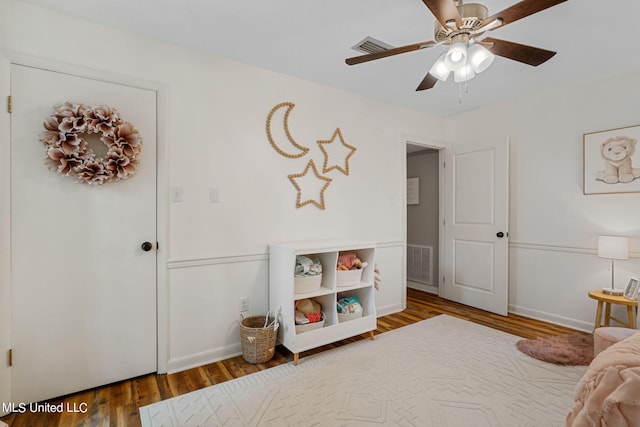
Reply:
x=349, y=150
x=311, y=184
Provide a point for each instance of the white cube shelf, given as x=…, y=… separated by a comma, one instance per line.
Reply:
x=282, y=261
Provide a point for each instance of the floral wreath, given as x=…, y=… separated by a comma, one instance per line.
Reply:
x=69, y=154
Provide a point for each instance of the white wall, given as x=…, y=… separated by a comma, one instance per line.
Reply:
x=553, y=225
x=216, y=116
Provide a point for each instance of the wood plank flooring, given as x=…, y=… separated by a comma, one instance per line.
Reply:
x=117, y=404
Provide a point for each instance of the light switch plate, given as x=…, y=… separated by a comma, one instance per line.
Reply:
x=214, y=195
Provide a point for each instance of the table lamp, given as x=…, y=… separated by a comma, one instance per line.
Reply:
x=613, y=248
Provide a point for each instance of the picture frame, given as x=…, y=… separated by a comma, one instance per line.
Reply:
x=632, y=289
x=413, y=191
x=611, y=161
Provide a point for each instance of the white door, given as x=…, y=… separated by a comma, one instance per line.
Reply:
x=476, y=225
x=5, y=232
x=83, y=290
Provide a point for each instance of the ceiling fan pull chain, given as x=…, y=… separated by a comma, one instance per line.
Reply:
x=460, y=93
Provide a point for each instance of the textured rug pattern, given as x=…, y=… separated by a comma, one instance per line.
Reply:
x=443, y=372
x=567, y=349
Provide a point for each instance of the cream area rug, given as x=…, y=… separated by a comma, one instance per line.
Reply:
x=442, y=372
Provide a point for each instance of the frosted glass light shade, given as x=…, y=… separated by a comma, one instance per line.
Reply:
x=480, y=58
x=440, y=70
x=456, y=56
x=464, y=74
x=613, y=247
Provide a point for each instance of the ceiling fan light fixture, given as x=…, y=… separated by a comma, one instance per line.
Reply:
x=480, y=58
x=440, y=70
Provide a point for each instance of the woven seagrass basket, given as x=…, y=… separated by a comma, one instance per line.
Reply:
x=258, y=341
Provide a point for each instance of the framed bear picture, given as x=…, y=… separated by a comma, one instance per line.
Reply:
x=631, y=292
x=611, y=163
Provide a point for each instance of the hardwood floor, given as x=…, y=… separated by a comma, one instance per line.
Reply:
x=117, y=404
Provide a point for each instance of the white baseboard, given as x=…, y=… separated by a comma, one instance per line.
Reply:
x=203, y=358
x=211, y=356
x=422, y=287
x=233, y=350
x=552, y=318
x=388, y=309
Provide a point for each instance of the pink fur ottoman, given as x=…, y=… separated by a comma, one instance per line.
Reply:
x=604, y=338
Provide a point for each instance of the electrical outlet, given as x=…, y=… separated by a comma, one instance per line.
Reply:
x=244, y=304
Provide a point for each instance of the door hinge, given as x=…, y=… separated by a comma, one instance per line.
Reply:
x=9, y=104
x=10, y=357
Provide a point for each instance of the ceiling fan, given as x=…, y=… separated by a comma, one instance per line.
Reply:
x=460, y=26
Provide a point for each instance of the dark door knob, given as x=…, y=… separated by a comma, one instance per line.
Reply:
x=500, y=234
x=147, y=246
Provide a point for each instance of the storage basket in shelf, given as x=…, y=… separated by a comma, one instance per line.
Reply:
x=349, y=316
x=349, y=308
x=348, y=277
x=304, y=285
x=310, y=326
x=258, y=341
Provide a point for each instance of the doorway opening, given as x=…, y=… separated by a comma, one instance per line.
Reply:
x=423, y=218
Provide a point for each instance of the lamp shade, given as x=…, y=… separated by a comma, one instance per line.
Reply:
x=464, y=74
x=456, y=56
x=440, y=69
x=480, y=58
x=613, y=247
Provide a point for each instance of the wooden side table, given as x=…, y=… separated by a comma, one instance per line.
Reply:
x=607, y=300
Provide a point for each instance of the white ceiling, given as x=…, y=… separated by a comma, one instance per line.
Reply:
x=311, y=38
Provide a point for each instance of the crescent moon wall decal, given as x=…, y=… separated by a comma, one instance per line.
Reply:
x=303, y=150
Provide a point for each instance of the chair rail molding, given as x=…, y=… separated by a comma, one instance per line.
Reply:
x=560, y=248
x=201, y=261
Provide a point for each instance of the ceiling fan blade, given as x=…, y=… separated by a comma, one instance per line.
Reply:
x=444, y=11
x=427, y=83
x=385, y=53
x=519, y=52
x=521, y=10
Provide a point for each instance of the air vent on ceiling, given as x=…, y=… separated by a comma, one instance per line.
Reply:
x=371, y=45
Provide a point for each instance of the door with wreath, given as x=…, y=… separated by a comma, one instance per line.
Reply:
x=83, y=202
